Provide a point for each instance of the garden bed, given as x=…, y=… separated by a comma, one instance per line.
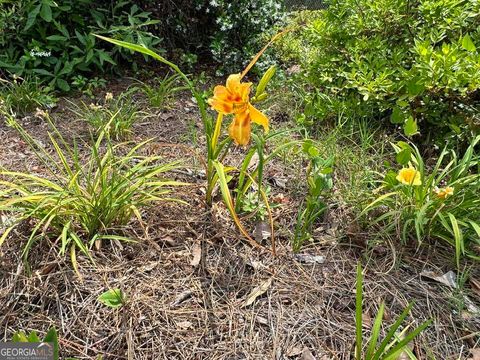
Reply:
x=240, y=302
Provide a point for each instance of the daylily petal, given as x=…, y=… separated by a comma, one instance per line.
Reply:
x=244, y=91
x=239, y=129
x=258, y=117
x=224, y=107
x=233, y=82
x=409, y=176
x=221, y=92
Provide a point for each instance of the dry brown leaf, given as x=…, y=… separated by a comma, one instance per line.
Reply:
x=449, y=278
x=475, y=354
x=307, y=354
x=197, y=254
x=149, y=267
x=261, y=232
x=168, y=240
x=257, y=291
x=367, y=320
x=475, y=286
x=261, y=320
x=184, y=325
x=310, y=259
x=294, y=351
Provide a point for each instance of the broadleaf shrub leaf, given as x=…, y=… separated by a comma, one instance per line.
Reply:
x=410, y=128
x=468, y=44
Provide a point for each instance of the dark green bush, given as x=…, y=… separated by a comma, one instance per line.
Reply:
x=228, y=32
x=413, y=62
x=54, y=41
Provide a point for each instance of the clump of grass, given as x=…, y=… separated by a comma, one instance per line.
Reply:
x=25, y=95
x=81, y=201
x=395, y=341
x=161, y=90
x=115, y=115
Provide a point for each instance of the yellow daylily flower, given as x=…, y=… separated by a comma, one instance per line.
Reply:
x=409, y=176
x=444, y=192
x=234, y=98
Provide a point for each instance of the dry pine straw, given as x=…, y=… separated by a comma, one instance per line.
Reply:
x=175, y=310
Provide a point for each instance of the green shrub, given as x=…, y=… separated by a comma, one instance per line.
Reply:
x=53, y=40
x=438, y=203
x=79, y=201
x=410, y=62
x=230, y=31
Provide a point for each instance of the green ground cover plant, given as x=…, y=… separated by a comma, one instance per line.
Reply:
x=161, y=90
x=25, y=95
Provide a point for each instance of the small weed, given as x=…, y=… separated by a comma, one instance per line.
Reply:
x=319, y=181
x=24, y=95
x=161, y=90
x=112, y=298
x=120, y=113
x=255, y=206
x=88, y=86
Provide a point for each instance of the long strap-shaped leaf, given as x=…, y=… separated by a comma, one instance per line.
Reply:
x=359, y=313
x=222, y=180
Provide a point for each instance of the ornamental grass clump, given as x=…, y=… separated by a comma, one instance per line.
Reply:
x=78, y=202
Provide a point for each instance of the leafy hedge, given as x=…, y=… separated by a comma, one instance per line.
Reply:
x=53, y=40
x=409, y=61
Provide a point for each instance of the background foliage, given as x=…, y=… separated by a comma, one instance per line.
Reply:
x=54, y=41
x=228, y=32
x=408, y=61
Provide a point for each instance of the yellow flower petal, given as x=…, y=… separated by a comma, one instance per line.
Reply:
x=239, y=129
x=409, y=176
x=221, y=106
x=258, y=117
x=233, y=82
x=444, y=193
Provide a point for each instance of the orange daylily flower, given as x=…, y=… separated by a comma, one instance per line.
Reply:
x=234, y=98
x=444, y=192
